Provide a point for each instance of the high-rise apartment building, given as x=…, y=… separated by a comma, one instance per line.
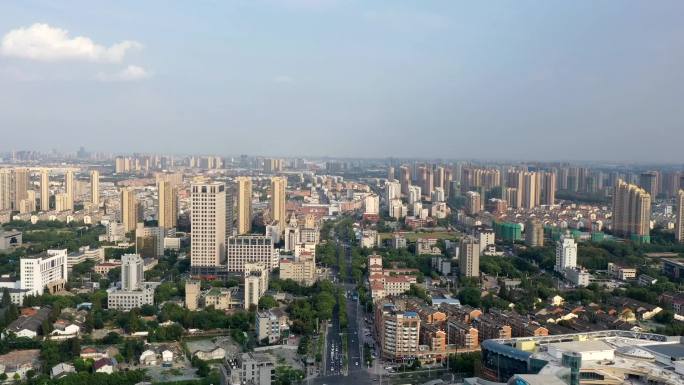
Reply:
x=566, y=253
x=399, y=332
x=272, y=165
x=20, y=183
x=61, y=202
x=650, y=181
x=45, y=190
x=278, y=194
x=516, y=181
x=405, y=179
x=167, y=208
x=473, y=203
x=531, y=190
x=244, y=204
x=469, y=257
x=371, y=204
x=70, y=188
x=149, y=241
x=440, y=180
x=95, y=188
x=679, y=228
x=208, y=224
x=390, y=173
x=129, y=209
x=631, y=211
x=472, y=179
x=548, y=193
x=414, y=194
x=5, y=189
x=392, y=191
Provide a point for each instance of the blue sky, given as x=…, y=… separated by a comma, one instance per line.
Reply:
x=536, y=80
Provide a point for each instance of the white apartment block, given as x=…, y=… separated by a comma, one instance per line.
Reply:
x=208, y=221
x=371, y=204
x=48, y=269
x=566, y=253
x=256, y=282
x=243, y=249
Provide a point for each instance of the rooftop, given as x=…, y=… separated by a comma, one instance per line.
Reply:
x=675, y=351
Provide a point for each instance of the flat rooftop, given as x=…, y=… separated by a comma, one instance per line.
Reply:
x=674, y=351
x=582, y=346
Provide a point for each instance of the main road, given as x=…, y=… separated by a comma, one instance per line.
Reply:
x=355, y=372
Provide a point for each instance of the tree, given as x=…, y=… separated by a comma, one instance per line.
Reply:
x=6, y=299
x=267, y=302
x=469, y=296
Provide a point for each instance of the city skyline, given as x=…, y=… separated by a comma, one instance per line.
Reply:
x=326, y=77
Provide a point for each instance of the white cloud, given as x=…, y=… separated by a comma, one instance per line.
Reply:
x=45, y=43
x=128, y=74
x=284, y=79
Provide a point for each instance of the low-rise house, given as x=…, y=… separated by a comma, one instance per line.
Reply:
x=167, y=356
x=19, y=362
x=210, y=355
x=63, y=329
x=92, y=353
x=104, y=365
x=61, y=370
x=148, y=357
x=29, y=324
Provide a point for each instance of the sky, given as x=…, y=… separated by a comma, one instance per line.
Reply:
x=526, y=80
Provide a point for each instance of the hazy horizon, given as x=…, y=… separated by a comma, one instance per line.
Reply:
x=527, y=80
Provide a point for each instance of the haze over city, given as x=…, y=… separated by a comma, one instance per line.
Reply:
x=341, y=192
x=524, y=80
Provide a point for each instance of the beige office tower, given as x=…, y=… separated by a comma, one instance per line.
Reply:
x=45, y=190
x=208, y=224
x=20, y=182
x=531, y=190
x=679, y=228
x=167, y=209
x=548, y=196
x=244, y=205
x=129, y=209
x=5, y=189
x=390, y=173
x=278, y=193
x=631, y=211
x=469, y=257
x=192, y=292
x=70, y=187
x=95, y=188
